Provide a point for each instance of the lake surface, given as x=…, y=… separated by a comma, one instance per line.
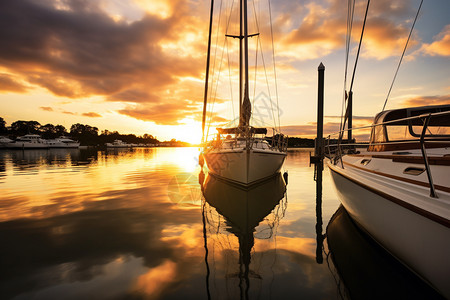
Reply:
x=137, y=224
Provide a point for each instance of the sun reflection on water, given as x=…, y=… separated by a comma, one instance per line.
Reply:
x=129, y=222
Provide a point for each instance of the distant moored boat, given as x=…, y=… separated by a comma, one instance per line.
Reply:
x=28, y=141
x=63, y=142
x=118, y=144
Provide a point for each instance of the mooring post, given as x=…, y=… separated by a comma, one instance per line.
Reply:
x=319, y=141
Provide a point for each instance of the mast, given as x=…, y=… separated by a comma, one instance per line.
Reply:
x=241, y=77
x=245, y=106
x=205, y=97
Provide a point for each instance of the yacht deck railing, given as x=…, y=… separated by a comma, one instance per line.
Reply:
x=336, y=148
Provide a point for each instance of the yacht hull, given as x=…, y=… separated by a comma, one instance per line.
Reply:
x=64, y=145
x=396, y=215
x=26, y=145
x=245, y=167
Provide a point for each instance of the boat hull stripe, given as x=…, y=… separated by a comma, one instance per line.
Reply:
x=421, y=183
x=413, y=208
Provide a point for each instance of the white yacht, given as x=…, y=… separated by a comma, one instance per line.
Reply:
x=3, y=141
x=118, y=144
x=243, y=154
x=28, y=141
x=63, y=142
x=398, y=189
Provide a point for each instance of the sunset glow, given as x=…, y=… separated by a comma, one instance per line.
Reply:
x=139, y=66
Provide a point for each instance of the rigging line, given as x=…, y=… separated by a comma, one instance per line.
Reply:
x=350, y=14
x=213, y=71
x=401, y=58
x=229, y=75
x=217, y=84
x=274, y=66
x=268, y=87
x=265, y=70
x=254, y=84
x=217, y=37
x=359, y=46
x=356, y=63
x=216, y=45
x=256, y=59
x=205, y=96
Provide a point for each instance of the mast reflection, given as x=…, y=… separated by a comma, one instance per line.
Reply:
x=243, y=209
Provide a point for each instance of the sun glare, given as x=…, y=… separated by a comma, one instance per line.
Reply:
x=190, y=131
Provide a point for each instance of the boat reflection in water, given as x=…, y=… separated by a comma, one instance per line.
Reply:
x=367, y=271
x=243, y=210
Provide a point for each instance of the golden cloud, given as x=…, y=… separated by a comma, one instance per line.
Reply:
x=46, y=108
x=91, y=115
x=323, y=29
x=79, y=51
x=441, y=45
x=9, y=83
x=427, y=100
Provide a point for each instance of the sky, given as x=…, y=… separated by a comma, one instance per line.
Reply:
x=137, y=66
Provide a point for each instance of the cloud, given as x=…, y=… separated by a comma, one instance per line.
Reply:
x=68, y=112
x=91, y=115
x=9, y=83
x=321, y=31
x=76, y=49
x=162, y=113
x=427, y=100
x=330, y=126
x=309, y=129
x=46, y=108
x=441, y=45
x=323, y=28
x=384, y=38
x=359, y=118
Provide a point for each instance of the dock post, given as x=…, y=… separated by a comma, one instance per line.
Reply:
x=318, y=147
x=318, y=152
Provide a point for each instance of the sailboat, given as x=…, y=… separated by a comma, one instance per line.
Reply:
x=242, y=154
x=397, y=187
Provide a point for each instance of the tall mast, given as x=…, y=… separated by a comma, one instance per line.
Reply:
x=241, y=77
x=246, y=49
x=244, y=101
x=205, y=98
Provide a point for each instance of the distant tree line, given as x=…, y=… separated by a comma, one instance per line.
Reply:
x=296, y=142
x=85, y=134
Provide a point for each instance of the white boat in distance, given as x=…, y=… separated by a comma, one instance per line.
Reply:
x=63, y=142
x=243, y=154
x=398, y=188
x=28, y=141
x=3, y=141
x=118, y=144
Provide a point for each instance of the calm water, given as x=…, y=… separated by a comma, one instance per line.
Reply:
x=136, y=224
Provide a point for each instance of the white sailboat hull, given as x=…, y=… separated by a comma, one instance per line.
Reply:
x=244, y=166
x=400, y=216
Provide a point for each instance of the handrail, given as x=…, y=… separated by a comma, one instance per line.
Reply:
x=425, y=157
x=438, y=114
x=338, y=153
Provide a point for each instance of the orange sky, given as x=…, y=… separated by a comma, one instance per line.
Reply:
x=139, y=66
